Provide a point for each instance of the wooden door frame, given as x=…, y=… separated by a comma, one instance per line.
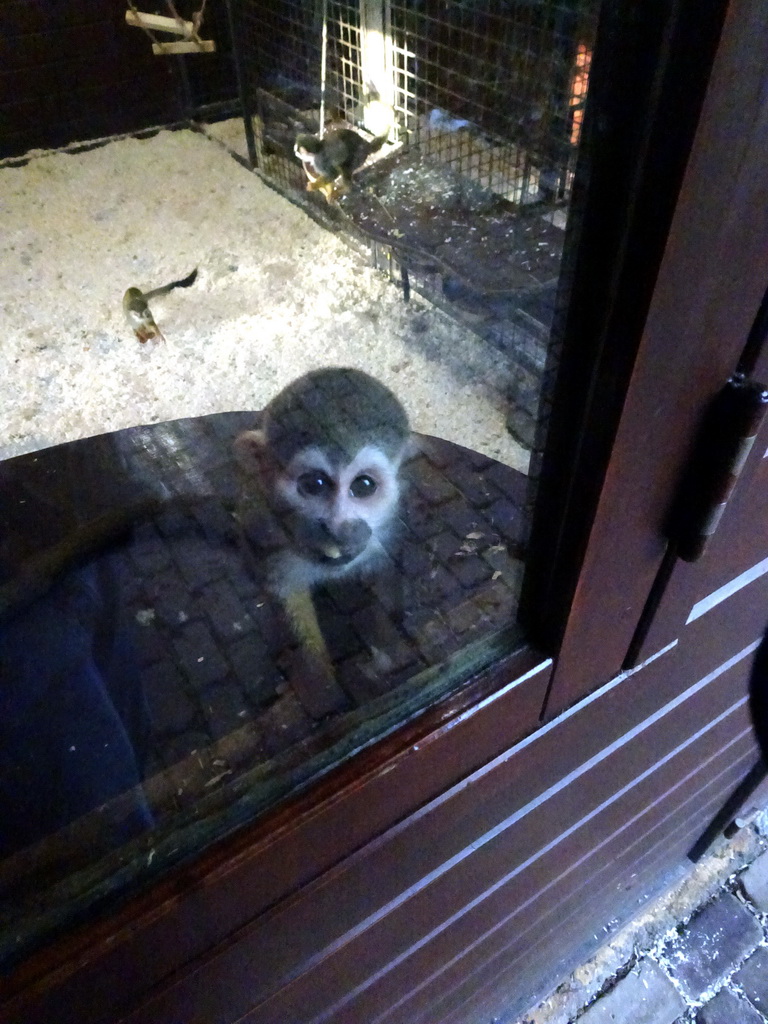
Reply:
x=651, y=340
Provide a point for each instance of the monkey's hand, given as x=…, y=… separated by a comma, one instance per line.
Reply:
x=148, y=333
x=325, y=186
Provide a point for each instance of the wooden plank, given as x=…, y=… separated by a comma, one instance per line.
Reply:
x=203, y=46
x=511, y=921
x=159, y=23
x=457, y=844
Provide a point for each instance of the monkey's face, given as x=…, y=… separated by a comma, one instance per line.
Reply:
x=306, y=146
x=333, y=509
x=309, y=163
x=337, y=513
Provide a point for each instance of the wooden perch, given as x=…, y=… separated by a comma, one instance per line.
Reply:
x=201, y=46
x=192, y=43
x=158, y=23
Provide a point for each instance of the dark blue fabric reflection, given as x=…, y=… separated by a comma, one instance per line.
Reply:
x=73, y=718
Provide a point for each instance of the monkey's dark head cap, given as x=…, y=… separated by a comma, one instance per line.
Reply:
x=338, y=409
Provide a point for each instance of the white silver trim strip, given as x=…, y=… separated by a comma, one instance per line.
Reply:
x=715, y=598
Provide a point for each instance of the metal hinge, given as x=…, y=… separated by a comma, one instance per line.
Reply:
x=722, y=446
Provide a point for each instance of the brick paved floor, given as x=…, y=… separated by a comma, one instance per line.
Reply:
x=698, y=955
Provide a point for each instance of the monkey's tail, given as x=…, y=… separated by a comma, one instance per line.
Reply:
x=38, y=574
x=185, y=282
x=21, y=585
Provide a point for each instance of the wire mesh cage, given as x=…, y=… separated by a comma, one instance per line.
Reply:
x=482, y=104
x=493, y=90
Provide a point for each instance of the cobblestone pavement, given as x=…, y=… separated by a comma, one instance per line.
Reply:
x=696, y=955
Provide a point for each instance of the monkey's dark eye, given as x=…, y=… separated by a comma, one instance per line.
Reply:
x=362, y=486
x=314, y=484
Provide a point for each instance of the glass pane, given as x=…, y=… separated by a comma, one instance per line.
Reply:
x=196, y=622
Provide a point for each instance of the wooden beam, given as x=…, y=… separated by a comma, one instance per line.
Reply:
x=203, y=46
x=158, y=23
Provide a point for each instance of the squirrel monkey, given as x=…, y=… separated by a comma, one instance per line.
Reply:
x=322, y=471
x=320, y=494
x=336, y=156
x=137, y=311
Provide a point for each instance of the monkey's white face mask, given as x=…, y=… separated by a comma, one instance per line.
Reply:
x=334, y=515
x=337, y=512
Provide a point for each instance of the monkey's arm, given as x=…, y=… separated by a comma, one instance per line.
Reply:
x=313, y=673
x=300, y=610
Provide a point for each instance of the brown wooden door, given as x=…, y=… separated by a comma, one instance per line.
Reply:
x=711, y=279
x=737, y=555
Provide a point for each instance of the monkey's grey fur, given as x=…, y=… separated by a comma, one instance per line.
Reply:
x=339, y=410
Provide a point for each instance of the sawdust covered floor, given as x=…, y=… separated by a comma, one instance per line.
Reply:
x=276, y=295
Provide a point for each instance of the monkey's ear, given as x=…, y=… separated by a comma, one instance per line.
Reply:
x=250, y=449
x=410, y=449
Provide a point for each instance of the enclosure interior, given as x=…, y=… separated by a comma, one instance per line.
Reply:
x=482, y=105
x=467, y=202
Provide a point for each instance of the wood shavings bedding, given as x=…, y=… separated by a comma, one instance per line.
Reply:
x=276, y=295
